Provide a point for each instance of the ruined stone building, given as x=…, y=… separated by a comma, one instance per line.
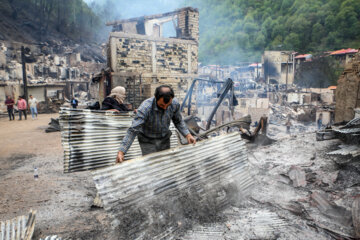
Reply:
x=141, y=58
x=348, y=91
x=278, y=67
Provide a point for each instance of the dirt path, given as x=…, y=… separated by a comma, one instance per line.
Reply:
x=63, y=201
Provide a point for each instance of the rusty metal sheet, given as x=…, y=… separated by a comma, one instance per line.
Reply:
x=91, y=138
x=174, y=183
x=19, y=228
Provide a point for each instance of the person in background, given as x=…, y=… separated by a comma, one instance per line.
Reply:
x=288, y=126
x=319, y=121
x=33, y=107
x=22, y=106
x=9, y=102
x=115, y=100
x=74, y=103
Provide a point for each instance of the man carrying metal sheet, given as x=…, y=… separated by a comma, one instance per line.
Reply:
x=152, y=121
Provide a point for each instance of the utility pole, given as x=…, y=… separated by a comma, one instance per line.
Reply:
x=24, y=72
x=287, y=73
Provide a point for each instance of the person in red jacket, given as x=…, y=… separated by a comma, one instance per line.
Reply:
x=9, y=102
x=22, y=105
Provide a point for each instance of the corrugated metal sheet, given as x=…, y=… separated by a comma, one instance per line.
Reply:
x=19, y=228
x=353, y=150
x=348, y=130
x=210, y=162
x=149, y=195
x=54, y=237
x=91, y=138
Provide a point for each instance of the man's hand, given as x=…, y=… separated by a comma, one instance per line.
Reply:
x=120, y=157
x=190, y=139
x=112, y=110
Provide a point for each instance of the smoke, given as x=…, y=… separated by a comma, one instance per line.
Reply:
x=222, y=41
x=111, y=10
x=116, y=10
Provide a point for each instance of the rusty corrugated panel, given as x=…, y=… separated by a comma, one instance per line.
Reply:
x=91, y=138
x=19, y=228
x=176, y=182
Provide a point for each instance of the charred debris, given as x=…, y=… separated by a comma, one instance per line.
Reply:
x=53, y=72
x=291, y=187
x=258, y=101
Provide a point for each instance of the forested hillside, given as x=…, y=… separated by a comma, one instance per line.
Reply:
x=42, y=20
x=240, y=30
x=231, y=31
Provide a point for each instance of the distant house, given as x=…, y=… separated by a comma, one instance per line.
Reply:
x=344, y=55
x=303, y=58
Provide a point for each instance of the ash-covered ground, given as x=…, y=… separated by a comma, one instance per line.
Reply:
x=300, y=192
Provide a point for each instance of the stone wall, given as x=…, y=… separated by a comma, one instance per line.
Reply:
x=188, y=23
x=132, y=53
x=348, y=91
x=141, y=63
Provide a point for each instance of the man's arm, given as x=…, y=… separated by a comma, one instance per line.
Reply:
x=181, y=126
x=132, y=132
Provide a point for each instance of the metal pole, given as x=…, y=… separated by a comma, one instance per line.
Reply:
x=287, y=72
x=24, y=72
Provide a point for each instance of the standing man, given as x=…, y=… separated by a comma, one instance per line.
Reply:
x=74, y=103
x=33, y=107
x=21, y=104
x=9, y=102
x=152, y=121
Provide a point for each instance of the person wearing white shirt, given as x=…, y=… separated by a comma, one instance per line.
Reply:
x=33, y=107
